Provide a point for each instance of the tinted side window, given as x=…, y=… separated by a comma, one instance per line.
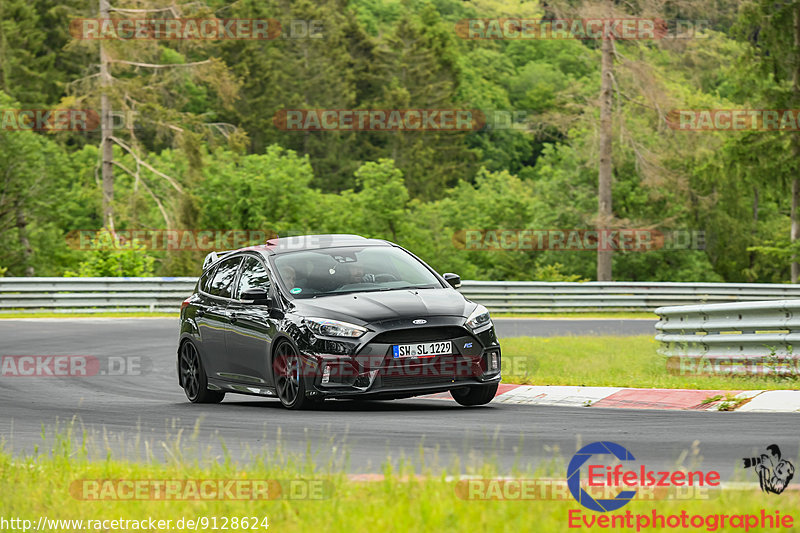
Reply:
x=205, y=280
x=254, y=276
x=222, y=284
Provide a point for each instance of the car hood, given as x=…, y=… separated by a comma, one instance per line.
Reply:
x=387, y=305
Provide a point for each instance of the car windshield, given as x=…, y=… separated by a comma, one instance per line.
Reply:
x=331, y=271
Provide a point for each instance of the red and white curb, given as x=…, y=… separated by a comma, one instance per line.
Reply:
x=782, y=401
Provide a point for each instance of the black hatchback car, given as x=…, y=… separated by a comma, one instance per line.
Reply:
x=333, y=316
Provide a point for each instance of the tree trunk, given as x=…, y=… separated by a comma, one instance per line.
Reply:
x=604, y=213
x=27, y=250
x=795, y=231
x=752, y=255
x=755, y=208
x=106, y=145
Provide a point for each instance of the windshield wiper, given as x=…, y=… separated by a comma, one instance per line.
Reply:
x=377, y=289
x=384, y=289
x=350, y=291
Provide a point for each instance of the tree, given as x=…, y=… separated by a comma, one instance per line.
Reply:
x=604, y=211
x=382, y=202
x=110, y=256
x=313, y=70
x=268, y=192
x=418, y=67
x=158, y=83
x=773, y=31
x=34, y=171
x=34, y=67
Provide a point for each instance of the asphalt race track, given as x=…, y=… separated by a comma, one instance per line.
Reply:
x=145, y=403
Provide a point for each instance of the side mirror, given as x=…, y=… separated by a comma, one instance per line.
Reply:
x=258, y=296
x=453, y=279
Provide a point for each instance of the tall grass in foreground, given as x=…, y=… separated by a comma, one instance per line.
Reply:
x=611, y=361
x=402, y=498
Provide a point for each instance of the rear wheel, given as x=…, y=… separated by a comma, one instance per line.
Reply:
x=193, y=377
x=475, y=394
x=289, y=381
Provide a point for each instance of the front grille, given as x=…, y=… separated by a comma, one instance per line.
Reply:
x=442, y=369
x=413, y=381
x=431, y=334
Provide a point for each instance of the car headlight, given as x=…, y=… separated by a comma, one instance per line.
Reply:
x=479, y=318
x=333, y=328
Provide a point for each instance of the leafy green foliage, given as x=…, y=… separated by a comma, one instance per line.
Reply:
x=210, y=127
x=110, y=256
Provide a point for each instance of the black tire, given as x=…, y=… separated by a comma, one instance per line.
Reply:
x=193, y=377
x=474, y=394
x=289, y=382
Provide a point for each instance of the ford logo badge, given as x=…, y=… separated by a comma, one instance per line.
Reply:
x=419, y=321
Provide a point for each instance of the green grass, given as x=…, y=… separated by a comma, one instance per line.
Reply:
x=402, y=499
x=610, y=361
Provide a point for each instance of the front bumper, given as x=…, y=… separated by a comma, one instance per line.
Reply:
x=371, y=371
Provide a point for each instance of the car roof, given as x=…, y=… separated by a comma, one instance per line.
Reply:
x=299, y=243
x=315, y=242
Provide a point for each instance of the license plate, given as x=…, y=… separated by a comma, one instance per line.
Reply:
x=425, y=349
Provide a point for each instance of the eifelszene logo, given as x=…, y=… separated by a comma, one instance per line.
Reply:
x=574, y=476
x=611, y=477
x=774, y=473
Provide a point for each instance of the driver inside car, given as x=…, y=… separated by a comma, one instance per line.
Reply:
x=358, y=275
x=289, y=276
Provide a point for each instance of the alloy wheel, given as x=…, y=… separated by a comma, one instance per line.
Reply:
x=287, y=374
x=190, y=370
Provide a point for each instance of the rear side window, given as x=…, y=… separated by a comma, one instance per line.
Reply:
x=254, y=276
x=205, y=279
x=222, y=282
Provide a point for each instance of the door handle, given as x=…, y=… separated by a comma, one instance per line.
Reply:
x=200, y=312
x=233, y=317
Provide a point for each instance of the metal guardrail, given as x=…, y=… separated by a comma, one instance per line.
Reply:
x=166, y=294
x=546, y=297
x=750, y=338
x=93, y=295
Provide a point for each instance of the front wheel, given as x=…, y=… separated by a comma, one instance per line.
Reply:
x=193, y=377
x=289, y=380
x=475, y=394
